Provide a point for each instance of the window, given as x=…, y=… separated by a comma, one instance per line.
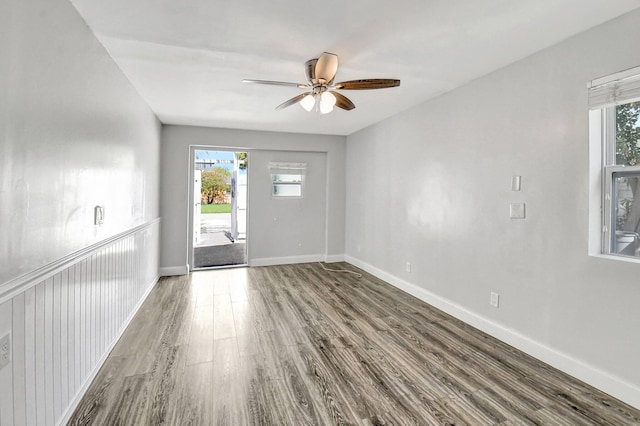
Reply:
x=287, y=179
x=615, y=105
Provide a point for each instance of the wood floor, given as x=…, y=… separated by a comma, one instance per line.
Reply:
x=297, y=345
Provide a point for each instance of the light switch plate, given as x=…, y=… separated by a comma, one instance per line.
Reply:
x=495, y=300
x=517, y=211
x=98, y=215
x=516, y=183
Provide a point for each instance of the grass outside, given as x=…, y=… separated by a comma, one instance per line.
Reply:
x=215, y=208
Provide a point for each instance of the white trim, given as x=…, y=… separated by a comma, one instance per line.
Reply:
x=332, y=258
x=614, y=386
x=596, y=129
x=616, y=258
x=24, y=282
x=172, y=270
x=169, y=271
x=614, y=77
x=85, y=386
x=269, y=261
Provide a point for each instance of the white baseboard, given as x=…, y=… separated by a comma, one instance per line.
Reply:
x=332, y=258
x=85, y=386
x=268, y=261
x=169, y=271
x=614, y=386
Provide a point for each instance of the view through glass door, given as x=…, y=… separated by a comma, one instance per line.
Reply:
x=219, y=208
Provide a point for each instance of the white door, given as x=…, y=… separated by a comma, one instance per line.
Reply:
x=197, y=200
x=234, y=199
x=241, y=185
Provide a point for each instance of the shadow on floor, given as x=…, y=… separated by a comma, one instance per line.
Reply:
x=220, y=255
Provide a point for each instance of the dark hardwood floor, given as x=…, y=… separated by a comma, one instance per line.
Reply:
x=297, y=345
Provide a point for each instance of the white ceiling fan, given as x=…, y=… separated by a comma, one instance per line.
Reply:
x=322, y=96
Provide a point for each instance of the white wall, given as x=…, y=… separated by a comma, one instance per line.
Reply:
x=285, y=230
x=432, y=186
x=73, y=134
x=275, y=242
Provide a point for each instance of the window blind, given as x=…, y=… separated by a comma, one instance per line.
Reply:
x=616, y=89
x=287, y=168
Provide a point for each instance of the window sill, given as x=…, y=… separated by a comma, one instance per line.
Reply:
x=616, y=258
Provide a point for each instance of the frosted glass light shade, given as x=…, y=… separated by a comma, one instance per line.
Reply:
x=308, y=102
x=327, y=101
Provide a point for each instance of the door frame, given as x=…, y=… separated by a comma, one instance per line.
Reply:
x=190, y=203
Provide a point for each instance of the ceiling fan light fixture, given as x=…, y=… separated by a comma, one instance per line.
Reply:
x=308, y=102
x=323, y=94
x=327, y=102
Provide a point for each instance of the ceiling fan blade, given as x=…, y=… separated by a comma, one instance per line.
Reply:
x=293, y=100
x=326, y=67
x=343, y=102
x=369, y=83
x=277, y=83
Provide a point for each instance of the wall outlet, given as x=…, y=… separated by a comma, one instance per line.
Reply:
x=408, y=267
x=495, y=300
x=5, y=351
x=358, y=248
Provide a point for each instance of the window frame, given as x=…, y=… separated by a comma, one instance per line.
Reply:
x=299, y=170
x=602, y=134
x=275, y=183
x=610, y=210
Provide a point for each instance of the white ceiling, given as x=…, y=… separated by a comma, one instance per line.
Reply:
x=187, y=58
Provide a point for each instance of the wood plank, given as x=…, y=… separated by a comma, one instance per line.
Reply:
x=56, y=342
x=227, y=384
x=246, y=326
x=48, y=350
x=295, y=344
x=30, y=356
x=64, y=340
x=70, y=343
x=201, y=336
x=6, y=374
x=194, y=396
x=39, y=350
x=223, y=324
x=77, y=328
x=18, y=336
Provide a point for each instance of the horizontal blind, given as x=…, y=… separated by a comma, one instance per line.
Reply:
x=287, y=168
x=619, y=88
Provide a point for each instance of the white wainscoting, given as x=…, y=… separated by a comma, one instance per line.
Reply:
x=64, y=319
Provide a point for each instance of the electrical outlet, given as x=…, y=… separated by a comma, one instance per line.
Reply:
x=5, y=351
x=408, y=266
x=495, y=299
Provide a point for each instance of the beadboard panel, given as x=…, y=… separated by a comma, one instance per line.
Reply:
x=64, y=324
